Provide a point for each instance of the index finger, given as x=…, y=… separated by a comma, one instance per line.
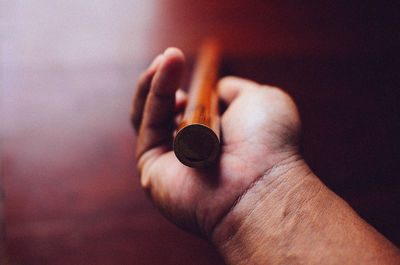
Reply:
x=158, y=115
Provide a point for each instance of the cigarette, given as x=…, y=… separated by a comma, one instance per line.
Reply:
x=197, y=140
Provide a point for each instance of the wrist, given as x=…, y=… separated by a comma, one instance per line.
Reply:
x=288, y=216
x=264, y=214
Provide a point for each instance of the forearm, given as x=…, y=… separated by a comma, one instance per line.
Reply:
x=290, y=217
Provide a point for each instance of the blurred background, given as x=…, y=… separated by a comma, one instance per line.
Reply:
x=69, y=185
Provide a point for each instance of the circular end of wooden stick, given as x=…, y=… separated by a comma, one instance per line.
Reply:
x=196, y=145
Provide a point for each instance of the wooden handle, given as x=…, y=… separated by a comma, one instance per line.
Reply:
x=197, y=143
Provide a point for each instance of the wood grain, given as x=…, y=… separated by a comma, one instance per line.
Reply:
x=196, y=143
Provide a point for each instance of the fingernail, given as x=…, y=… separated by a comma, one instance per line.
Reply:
x=170, y=50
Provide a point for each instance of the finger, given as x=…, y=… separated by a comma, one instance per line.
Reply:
x=159, y=109
x=180, y=100
x=180, y=105
x=230, y=87
x=141, y=92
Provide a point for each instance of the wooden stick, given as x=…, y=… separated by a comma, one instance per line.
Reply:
x=197, y=143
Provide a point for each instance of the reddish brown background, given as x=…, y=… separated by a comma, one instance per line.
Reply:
x=68, y=71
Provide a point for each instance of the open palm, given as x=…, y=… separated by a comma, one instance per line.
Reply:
x=259, y=129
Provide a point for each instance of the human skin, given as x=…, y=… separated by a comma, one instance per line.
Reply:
x=260, y=203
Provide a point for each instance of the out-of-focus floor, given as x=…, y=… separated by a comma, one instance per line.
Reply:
x=68, y=71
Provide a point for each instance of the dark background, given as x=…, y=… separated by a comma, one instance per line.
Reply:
x=69, y=68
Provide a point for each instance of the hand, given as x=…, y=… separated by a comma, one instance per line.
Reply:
x=260, y=203
x=260, y=130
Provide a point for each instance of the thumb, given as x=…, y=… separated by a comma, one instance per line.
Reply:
x=230, y=87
